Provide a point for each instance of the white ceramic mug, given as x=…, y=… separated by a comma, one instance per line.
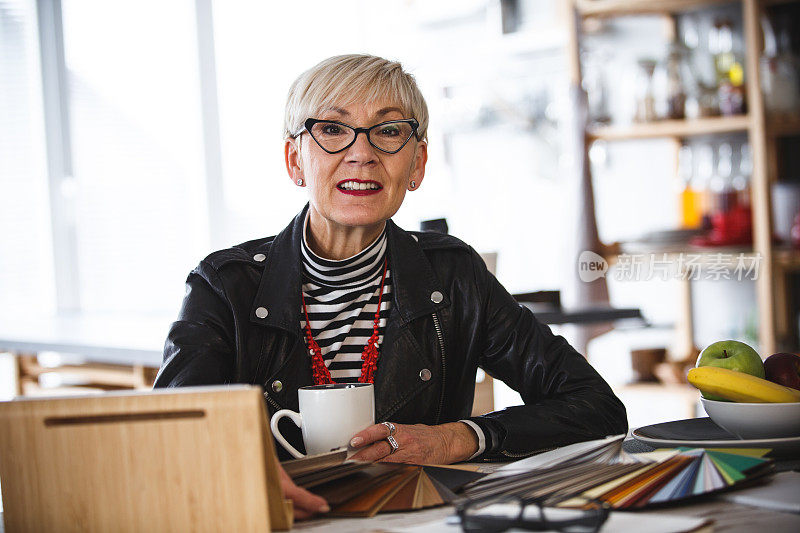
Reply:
x=329, y=416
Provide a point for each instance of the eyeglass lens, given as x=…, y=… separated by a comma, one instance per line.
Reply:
x=515, y=513
x=389, y=136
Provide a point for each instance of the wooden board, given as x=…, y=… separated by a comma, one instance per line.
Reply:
x=614, y=8
x=192, y=459
x=671, y=128
x=759, y=181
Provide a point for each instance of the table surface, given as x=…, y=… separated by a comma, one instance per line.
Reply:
x=727, y=516
x=129, y=340
x=552, y=315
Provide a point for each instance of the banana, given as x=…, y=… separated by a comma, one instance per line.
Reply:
x=740, y=387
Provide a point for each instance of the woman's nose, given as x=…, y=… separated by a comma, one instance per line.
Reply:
x=361, y=151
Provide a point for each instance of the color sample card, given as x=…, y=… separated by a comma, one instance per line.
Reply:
x=584, y=474
x=703, y=472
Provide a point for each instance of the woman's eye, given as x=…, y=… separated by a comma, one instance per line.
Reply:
x=331, y=129
x=389, y=131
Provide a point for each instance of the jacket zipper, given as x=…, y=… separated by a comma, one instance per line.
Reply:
x=438, y=328
x=272, y=402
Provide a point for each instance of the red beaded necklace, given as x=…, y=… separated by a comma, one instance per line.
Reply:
x=322, y=376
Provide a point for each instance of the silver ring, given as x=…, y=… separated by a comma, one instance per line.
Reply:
x=393, y=444
x=390, y=427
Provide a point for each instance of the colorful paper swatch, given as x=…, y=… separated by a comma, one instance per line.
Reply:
x=601, y=471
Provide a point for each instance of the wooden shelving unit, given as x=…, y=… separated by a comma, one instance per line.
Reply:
x=762, y=132
x=670, y=128
x=700, y=257
x=616, y=8
x=778, y=126
x=787, y=259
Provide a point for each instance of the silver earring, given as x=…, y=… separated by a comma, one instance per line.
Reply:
x=300, y=182
x=413, y=184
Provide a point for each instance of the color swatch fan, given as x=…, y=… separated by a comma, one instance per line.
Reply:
x=359, y=489
x=586, y=473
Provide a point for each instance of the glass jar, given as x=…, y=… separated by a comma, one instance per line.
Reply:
x=645, y=94
x=677, y=70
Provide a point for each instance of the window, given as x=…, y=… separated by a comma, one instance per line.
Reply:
x=26, y=262
x=137, y=201
x=137, y=153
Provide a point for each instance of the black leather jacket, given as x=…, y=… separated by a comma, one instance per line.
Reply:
x=449, y=316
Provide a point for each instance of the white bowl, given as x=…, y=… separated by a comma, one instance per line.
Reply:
x=756, y=420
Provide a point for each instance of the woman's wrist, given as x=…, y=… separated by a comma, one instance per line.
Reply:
x=462, y=442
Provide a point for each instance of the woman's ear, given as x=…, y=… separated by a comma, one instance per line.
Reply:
x=294, y=163
x=418, y=170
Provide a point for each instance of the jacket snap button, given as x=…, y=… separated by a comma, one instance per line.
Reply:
x=415, y=238
x=277, y=386
x=259, y=257
x=436, y=297
x=262, y=312
x=424, y=374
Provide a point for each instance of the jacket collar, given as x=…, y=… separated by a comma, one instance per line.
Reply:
x=413, y=279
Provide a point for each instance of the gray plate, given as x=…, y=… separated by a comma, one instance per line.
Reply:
x=703, y=433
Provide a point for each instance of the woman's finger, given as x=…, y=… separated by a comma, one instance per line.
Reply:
x=305, y=503
x=372, y=434
x=374, y=452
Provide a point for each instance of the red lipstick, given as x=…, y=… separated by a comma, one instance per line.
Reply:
x=374, y=187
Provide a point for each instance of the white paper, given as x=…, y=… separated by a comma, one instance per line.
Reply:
x=555, y=457
x=781, y=493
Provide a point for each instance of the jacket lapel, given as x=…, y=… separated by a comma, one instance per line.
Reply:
x=413, y=279
x=279, y=293
x=403, y=355
x=279, y=289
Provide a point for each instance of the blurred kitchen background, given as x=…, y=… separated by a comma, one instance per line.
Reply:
x=136, y=137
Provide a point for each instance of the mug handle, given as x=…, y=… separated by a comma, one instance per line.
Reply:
x=273, y=425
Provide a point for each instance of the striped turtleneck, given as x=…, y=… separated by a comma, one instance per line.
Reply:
x=341, y=299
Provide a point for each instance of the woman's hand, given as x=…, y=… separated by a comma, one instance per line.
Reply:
x=418, y=444
x=305, y=503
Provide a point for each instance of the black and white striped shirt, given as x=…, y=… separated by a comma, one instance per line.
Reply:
x=341, y=298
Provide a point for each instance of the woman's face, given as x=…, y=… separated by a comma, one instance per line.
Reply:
x=330, y=177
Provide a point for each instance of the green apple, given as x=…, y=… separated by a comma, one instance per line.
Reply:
x=733, y=355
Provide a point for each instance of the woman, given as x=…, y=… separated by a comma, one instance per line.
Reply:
x=343, y=294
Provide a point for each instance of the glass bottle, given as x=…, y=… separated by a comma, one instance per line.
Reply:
x=676, y=82
x=702, y=180
x=729, y=69
x=722, y=183
x=780, y=69
x=721, y=47
x=741, y=179
x=594, y=83
x=691, y=199
x=690, y=35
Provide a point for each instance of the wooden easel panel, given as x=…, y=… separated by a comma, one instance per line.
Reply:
x=179, y=460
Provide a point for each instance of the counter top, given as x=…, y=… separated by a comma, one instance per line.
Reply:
x=117, y=339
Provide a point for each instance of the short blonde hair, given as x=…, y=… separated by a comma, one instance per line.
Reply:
x=347, y=79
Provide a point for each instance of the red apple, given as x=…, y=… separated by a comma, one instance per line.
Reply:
x=783, y=369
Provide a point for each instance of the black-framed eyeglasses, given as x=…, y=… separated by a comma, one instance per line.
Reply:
x=333, y=136
x=530, y=514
